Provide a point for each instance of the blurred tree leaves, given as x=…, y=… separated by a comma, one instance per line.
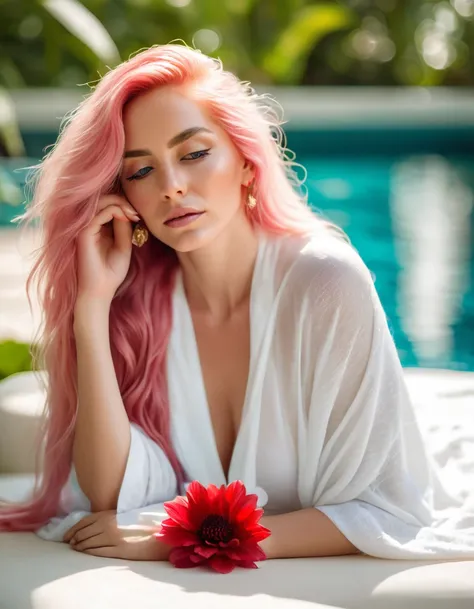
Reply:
x=85, y=26
x=51, y=42
x=14, y=357
x=376, y=42
x=399, y=42
x=11, y=143
x=285, y=61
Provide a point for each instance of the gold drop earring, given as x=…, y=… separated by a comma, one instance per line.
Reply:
x=140, y=235
x=251, y=200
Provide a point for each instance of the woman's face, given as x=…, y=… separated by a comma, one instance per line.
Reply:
x=177, y=157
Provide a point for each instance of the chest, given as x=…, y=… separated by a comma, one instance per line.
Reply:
x=224, y=354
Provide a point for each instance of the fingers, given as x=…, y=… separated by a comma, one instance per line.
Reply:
x=107, y=200
x=141, y=548
x=99, y=540
x=120, y=202
x=109, y=213
x=107, y=552
x=84, y=522
x=123, y=236
x=96, y=528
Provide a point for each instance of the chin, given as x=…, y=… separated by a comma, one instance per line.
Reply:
x=188, y=240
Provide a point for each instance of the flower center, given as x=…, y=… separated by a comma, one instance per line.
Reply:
x=214, y=529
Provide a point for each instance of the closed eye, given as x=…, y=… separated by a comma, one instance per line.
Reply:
x=144, y=171
x=141, y=173
x=200, y=153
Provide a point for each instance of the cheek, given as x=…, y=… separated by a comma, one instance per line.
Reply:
x=139, y=194
x=222, y=170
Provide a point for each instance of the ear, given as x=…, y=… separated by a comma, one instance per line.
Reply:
x=248, y=173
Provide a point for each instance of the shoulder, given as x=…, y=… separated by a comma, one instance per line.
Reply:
x=324, y=267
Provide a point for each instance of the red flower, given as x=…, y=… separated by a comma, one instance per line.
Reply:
x=217, y=527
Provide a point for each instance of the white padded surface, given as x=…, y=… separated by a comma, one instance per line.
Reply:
x=22, y=401
x=36, y=574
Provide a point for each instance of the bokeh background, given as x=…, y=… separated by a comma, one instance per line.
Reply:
x=378, y=99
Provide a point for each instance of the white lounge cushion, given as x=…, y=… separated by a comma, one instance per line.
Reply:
x=36, y=574
x=22, y=401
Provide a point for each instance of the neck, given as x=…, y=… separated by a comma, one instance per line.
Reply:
x=217, y=278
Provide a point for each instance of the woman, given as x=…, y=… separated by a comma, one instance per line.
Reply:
x=201, y=323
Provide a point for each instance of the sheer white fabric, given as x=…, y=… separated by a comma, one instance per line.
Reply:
x=327, y=420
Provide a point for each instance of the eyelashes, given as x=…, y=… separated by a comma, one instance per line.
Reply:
x=144, y=171
x=201, y=153
x=141, y=173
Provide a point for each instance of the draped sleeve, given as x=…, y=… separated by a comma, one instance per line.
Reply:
x=148, y=481
x=363, y=459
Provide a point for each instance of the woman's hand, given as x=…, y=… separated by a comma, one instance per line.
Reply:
x=99, y=535
x=104, y=248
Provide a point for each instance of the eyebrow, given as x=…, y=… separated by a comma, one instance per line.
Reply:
x=174, y=141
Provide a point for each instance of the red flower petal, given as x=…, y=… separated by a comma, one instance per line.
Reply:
x=178, y=511
x=196, y=559
x=255, y=549
x=257, y=533
x=222, y=504
x=253, y=518
x=205, y=551
x=248, y=565
x=177, y=536
x=213, y=498
x=221, y=564
x=235, y=556
x=196, y=490
x=199, y=504
x=233, y=543
x=234, y=496
x=248, y=505
x=259, y=554
x=186, y=515
x=170, y=522
x=254, y=531
x=250, y=552
x=235, y=489
x=181, y=558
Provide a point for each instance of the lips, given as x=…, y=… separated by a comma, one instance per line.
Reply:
x=181, y=213
x=191, y=213
x=183, y=221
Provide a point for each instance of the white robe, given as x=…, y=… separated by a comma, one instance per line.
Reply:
x=327, y=421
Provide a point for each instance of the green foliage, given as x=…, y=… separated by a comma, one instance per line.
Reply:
x=14, y=357
x=377, y=42
x=11, y=145
x=285, y=61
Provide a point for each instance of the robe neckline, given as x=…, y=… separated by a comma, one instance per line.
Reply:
x=205, y=464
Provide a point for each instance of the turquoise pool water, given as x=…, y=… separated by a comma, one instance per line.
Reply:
x=412, y=220
x=410, y=215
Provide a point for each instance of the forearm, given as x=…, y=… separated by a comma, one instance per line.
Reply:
x=102, y=430
x=304, y=533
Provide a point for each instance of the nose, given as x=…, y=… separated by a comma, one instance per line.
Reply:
x=172, y=184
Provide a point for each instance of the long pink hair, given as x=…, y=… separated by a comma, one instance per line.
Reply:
x=81, y=167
